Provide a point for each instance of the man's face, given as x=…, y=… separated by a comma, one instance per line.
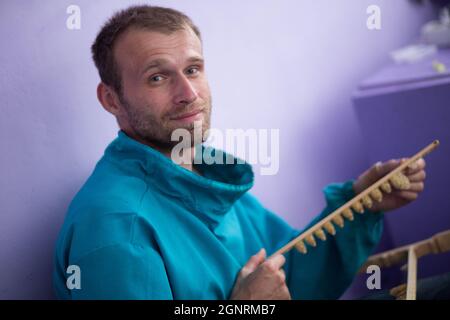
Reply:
x=164, y=86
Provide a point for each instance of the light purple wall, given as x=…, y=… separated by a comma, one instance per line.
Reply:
x=271, y=64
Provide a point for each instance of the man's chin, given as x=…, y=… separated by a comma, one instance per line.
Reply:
x=190, y=137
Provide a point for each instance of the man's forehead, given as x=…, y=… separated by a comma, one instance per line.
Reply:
x=141, y=46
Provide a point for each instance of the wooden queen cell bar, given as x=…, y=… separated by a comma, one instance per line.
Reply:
x=363, y=200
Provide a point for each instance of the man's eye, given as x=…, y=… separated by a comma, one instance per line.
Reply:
x=156, y=78
x=193, y=70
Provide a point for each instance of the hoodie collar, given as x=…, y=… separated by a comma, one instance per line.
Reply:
x=209, y=196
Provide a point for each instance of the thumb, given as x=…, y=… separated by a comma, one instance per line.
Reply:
x=386, y=167
x=253, y=262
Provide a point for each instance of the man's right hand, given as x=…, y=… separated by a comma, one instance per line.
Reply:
x=261, y=279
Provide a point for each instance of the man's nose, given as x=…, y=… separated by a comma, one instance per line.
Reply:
x=185, y=91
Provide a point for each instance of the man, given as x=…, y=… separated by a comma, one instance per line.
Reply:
x=144, y=227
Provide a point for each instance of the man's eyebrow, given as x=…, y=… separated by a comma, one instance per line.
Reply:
x=196, y=59
x=159, y=62
x=154, y=64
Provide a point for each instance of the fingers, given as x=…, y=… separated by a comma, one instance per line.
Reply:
x=415, y=171
x=256, y=259
x=283, y=293
x=407, y=195
x=283, y=290
x=418, y=176
x=274, y=265
x=415, y=167
x=276, y=262
x=416, y=187
x=412, y=193
x=374, y=173
x=383, y=168
x=262, y=278
x=253, y=262
x=282, y=275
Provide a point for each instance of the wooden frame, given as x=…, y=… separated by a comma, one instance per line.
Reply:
x=439, y=243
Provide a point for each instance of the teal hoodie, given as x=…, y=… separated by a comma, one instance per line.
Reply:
x=142, y=227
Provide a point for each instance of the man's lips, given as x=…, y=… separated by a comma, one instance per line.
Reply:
x=187, y=115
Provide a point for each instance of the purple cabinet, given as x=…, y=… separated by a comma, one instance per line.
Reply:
x=401, y=109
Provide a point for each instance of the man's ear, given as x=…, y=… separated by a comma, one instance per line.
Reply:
x=109, y=99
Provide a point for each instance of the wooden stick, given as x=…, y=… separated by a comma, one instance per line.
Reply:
x=412, y=274
x=307, y=234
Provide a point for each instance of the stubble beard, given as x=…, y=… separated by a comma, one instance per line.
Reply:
x=157, y=132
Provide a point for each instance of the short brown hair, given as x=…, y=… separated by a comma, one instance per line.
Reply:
x=147, y=17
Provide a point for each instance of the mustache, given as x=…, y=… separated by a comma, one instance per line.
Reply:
x=186, y=110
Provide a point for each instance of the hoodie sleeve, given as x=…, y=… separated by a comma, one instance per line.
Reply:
x=122, y=271
x=327, y=270
x=113, y=261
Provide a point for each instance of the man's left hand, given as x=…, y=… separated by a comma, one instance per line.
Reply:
x=397, y=198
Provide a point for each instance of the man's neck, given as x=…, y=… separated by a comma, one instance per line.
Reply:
x=187, y=160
